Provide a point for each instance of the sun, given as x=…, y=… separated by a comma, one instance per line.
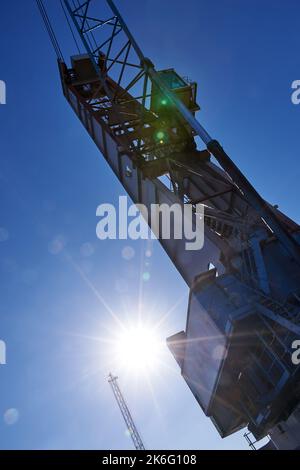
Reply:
x=138, y=348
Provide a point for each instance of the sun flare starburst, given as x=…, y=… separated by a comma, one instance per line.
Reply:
x=138, y=348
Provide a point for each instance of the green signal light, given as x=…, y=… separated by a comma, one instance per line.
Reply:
x=164, y=102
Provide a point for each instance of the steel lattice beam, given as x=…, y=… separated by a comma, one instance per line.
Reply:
x=247, y=275
x=138, y=444
x=81, y=17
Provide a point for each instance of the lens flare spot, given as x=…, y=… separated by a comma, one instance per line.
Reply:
x=87, y=249
x=146, y=276
x=11, y=416
x=160, y=135
x=128, y=253
x=4, y=235
x=57, y=245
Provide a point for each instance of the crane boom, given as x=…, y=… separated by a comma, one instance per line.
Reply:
x=244, y=308
x=138, y=444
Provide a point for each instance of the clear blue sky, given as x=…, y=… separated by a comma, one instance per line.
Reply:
x=54, y=273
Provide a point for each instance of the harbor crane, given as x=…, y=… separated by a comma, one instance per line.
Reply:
x=244, y=305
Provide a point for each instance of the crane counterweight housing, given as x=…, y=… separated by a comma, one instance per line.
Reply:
x=244, y=305
x=235, y=359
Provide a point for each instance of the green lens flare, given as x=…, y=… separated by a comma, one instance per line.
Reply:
x=160, y=135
